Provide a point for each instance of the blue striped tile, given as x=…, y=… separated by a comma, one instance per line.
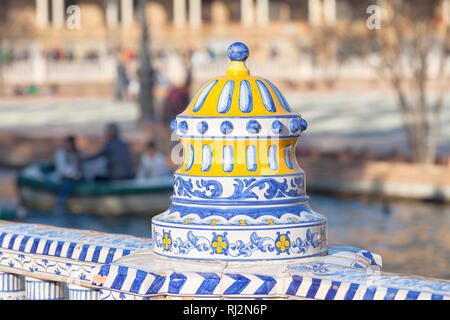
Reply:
x=268, y=284
x=209, y=284
x=177, y=281
x=136, y=285
x=240, y=283
x=11, y=241
x=23, y=243
x=48, y=243
x=110, y=256
x=72, y=246
x=83, y=253
x=156, y=284
x=351, y=291
x=315, y=284
x=294, y=285
x=370, y=293
x=412, y=295
x=120, y=278
x=96, y=253
x=390, y=294
x=333, y=290
x=59, y=248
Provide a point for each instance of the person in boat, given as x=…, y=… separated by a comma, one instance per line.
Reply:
x=68, y=166
x=117, y=153
x=152, y=163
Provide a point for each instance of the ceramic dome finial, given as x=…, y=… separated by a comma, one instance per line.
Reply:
x=238, y=51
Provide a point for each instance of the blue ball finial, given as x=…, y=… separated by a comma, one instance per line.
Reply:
x=238, y=51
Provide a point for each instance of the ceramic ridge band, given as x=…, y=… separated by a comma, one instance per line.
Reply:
x=239, y=242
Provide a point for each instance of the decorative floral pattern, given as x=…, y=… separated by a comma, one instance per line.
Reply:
x=220, y=244
x=282, y=243
x=243, y=188
x=167, y=241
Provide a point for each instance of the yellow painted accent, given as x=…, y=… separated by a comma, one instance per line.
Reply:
x=242, y=222
x=209, y=108
x=237, y=69
x=187, y=221
x=213, y=223
x=239, y=152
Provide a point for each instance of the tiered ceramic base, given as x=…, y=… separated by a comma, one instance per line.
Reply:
x=244, y=233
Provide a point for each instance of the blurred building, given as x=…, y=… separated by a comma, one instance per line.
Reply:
x=41, y=41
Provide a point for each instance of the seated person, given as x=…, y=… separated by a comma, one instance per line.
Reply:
x=116, y=152
x=152, y=163
x=68, y=165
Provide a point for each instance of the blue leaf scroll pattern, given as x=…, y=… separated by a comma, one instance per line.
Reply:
x=209, y=189
x=243, y=188
x=239, y=248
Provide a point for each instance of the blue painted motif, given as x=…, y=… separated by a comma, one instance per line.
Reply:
x=280, y=97
x=228, y=158
x=287, y=156
x=206, y=158
x=294, y=125
x=224, y=102
x=273, y=155
x=245, y=97
x=226, y=127
x=202, y=96
x=173, y=125
x=277, y=126
x=239, y=248
x=251, y=158
x=238, y=51
x=253, y=126
x=266, y=96
x=183, y=127
x=303, y=124
x=243, y=188
x=202, y=127
x=190, y=161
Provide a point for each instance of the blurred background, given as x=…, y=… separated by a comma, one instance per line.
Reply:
x=371, y=77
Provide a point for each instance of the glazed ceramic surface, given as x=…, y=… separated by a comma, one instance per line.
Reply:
x=239, y=194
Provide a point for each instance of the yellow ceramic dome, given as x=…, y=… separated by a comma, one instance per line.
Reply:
x=238, y=95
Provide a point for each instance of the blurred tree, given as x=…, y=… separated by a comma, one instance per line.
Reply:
x=145, y=72
x=411, y=38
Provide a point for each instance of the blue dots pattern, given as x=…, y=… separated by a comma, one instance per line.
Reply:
x=277, y=126
x=173, y=125
x=253, y=126
x=303, y=124
x=202, y=127
x=226, y=127
x=294, y=125
x=183, y=127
